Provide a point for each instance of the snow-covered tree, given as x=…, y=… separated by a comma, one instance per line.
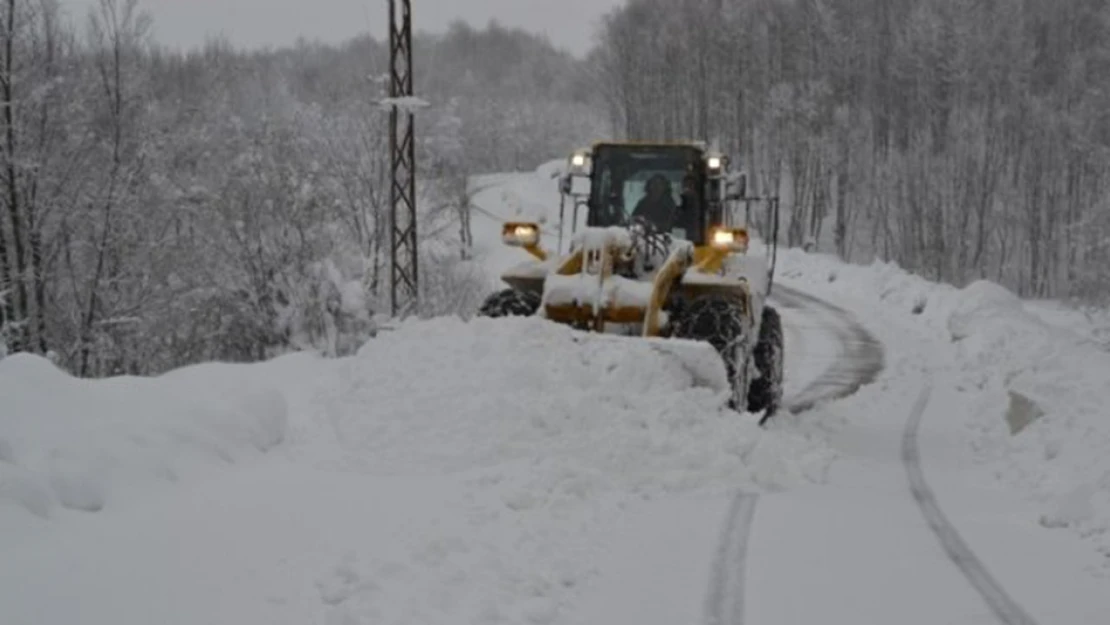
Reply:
x=961, y=139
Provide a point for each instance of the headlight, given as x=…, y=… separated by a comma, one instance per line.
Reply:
x=520, y=234
x=580, y=161
x=731, y=239
x=714, y=162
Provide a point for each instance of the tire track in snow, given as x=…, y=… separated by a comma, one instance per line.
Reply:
x=859, y=363
x=724, y=605
x=861, y=354
x=1001, y=604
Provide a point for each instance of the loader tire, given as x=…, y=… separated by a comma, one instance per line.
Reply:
x=765, y=390
x=510, y=303
x=718, y=321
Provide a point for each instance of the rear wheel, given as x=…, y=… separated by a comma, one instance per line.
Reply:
x=765, y=391
x=718, y=321
x=510, y=303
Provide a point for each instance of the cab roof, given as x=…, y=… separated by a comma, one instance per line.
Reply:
x=697, y=145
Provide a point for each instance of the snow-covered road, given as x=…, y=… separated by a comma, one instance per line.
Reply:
x=515, y=471
x=874, y=544
x=833, y=354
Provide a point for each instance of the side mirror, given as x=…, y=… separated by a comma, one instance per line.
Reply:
x=575, y=185
x=737, y=188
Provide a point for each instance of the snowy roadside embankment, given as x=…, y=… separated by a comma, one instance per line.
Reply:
x=84, y=445
x=449, y=472
x=1090, y=322
x=1037, y=415
x=1055, y=432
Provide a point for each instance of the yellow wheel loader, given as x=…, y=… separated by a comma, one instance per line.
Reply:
x=664, y=252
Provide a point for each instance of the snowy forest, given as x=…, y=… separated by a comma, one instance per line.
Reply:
x=162, y=208
x=962, y=139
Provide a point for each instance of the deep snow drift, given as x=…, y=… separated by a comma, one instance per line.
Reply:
x=84, y=445
x=549, y=436
x=450, y=471
x=447, y=395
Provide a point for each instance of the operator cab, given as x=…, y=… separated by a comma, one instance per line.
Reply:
x=659, y=186
x=668, y=188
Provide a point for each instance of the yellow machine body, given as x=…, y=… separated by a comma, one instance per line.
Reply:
x=691, y=269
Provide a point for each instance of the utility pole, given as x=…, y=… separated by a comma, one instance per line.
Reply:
x=404, y=293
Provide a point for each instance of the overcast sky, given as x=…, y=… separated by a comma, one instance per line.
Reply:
x=568, y=23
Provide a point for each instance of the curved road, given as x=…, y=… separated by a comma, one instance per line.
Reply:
x=859, y=550
x=852, y=359
x=829, y=356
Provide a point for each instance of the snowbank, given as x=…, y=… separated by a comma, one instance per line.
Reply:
x=1060, y=452
x=1009, y=361
x=449, y=472
x=553, y=169
x=1090, y=322
x=452, y=395
x=87, y=444
x=881, y=284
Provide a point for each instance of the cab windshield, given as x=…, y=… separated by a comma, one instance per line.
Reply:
x=659, y=185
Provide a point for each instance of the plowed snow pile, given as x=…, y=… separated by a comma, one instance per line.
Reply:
x=450, y=472
x=548, y=435
x=448, y=395
x=89, y=444
x=1053, y=388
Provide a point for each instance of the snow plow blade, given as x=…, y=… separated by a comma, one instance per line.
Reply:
x=696, y=362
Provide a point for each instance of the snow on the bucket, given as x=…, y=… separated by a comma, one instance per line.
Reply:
x=598, y=238
x=584, y=289
x=86, y=444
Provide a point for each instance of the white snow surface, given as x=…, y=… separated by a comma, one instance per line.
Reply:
x=68, y=443
x=1063, y=456
x=449, y=472
x=1092, y=322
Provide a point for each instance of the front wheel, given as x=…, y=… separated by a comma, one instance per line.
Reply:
x=765, y=392
x=510, y=303
x=719, y=321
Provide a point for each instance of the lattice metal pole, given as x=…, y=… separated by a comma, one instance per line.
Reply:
x=404, y=291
